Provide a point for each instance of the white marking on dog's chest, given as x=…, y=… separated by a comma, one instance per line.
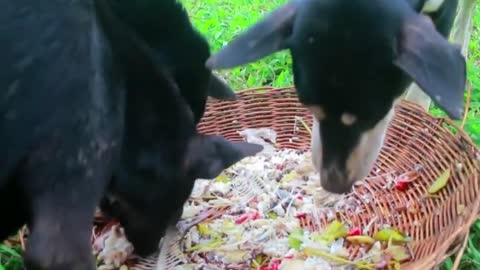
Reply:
x=432, y=5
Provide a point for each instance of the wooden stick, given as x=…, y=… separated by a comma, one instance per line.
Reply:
x=458, y=259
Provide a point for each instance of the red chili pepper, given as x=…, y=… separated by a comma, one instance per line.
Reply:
x=355, y=232
x=301, y=215
x=280, y=167
x=275, y=264
x=401, y=186
x=288, y=256
x=246, y=217
x=241, y=219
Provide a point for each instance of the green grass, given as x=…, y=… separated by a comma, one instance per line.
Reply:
x=472, y=126
x=222, y=20
x=10, y=258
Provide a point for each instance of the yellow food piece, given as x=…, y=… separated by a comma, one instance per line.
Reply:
x=389, y=233
x=440, y=183
x=272, y=215
x=203, y=229
x=222, y=178
x=290, y=176
x=362, y=239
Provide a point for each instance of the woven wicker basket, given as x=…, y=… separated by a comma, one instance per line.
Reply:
x=439, y=229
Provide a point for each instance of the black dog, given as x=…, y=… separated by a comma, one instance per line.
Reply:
x=351, y=60
x=162, y=153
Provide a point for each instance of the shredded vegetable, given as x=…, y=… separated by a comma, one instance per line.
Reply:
x=274, y=202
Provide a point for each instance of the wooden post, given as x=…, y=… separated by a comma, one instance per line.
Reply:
x=461, y=33
x=462, y=29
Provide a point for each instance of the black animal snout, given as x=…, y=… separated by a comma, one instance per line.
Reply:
x=335, y=181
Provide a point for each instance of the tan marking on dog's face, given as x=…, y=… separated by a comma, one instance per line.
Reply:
x=316, y=145
x=363, y=157
x=348, y=119
x=432, y=5
x=316, y=140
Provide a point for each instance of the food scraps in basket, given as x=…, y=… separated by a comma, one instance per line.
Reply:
x=440, y=183
x=272, y=206
x=262, y=136
x=112, y=248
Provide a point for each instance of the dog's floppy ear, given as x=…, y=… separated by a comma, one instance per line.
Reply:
x=435, y=64
x=208, y=156
x=264, y=38
x=219, y=89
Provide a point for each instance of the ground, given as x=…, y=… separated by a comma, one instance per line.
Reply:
x=221, y=20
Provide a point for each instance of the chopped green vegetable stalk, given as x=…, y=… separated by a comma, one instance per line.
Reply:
x=295, y=239
x=205, y=231
x=206, y=246
x=222, y=178
x=334, y=231
x=272, y=215
x=389, y=233
x=361, y=239
x=315, y=252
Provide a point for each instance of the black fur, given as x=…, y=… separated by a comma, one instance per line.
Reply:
x=61, y=108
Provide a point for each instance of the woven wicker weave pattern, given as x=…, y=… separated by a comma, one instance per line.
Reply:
x=414, y=140
x=263, y=107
